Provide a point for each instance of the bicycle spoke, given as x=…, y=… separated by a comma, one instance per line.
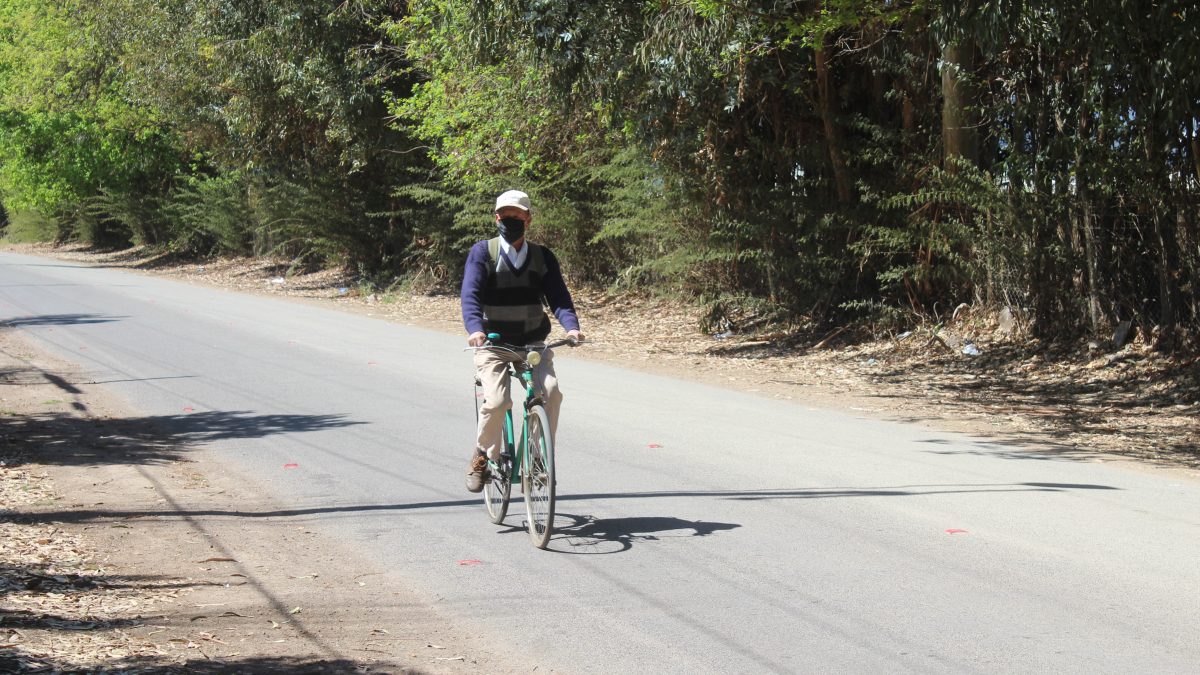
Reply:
x=538, y=481
x=497, y=490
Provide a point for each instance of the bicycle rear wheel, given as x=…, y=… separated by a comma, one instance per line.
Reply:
x=537, y=477
x=498, y=488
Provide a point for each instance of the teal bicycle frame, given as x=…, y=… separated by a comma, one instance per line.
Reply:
x=520, y=458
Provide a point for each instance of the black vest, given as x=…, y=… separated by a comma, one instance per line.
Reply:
x=513, y=300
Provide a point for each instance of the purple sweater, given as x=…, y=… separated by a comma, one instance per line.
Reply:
x=475, y=278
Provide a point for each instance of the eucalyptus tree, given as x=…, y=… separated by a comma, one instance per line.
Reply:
x=1092, y=110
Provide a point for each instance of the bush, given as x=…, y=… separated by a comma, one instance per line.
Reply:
x=28, y=227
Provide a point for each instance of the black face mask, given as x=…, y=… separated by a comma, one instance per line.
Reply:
x=512, y=229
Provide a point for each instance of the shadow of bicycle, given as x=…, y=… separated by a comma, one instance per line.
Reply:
x=589, y=535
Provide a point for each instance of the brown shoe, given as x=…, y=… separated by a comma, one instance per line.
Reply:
x=477, y=473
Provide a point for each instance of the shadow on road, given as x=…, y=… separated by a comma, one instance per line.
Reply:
x=1012, y=449
x=592, y=535
x=65, y=439
x=57, y=320
x=17, y=376
x=100, y=515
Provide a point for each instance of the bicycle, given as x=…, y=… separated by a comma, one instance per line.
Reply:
x=532, y=462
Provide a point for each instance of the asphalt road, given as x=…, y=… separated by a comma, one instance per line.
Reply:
x=700, y=530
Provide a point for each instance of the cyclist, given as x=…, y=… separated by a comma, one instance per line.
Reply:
x=506, y=282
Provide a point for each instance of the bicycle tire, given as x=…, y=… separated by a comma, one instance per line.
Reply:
x=498, y=489
x=537, y=477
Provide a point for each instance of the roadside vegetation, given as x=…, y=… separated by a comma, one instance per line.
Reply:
x=814, y=165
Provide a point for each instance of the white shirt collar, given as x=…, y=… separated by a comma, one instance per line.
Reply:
x=517, y=258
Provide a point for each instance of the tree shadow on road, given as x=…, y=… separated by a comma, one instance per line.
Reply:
x=1034, y=448
x=101, y=515
x=57, y=320
x=66, y=439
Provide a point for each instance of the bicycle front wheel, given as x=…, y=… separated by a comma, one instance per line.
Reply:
x=499, y=485
x=537, y=477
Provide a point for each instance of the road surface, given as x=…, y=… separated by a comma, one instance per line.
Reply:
x=700, y=530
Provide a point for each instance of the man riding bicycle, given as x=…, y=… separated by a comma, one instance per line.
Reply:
x=506, y=282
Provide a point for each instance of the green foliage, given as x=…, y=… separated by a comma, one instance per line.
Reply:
x=29, y=227
x=70, y=136
x=209, y=214
x=446, y=223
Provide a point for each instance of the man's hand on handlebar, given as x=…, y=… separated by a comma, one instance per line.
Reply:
x=481, y=339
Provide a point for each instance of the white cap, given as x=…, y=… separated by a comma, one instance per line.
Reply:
x=513, y=198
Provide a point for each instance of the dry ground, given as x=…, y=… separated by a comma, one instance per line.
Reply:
x=85, y=587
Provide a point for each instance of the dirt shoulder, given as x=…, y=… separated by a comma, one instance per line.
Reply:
x=125, y=551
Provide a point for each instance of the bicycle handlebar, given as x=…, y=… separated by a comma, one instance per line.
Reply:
x=527, y=348
x=565, y=341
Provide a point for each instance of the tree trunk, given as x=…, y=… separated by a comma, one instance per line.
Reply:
x=1088, y=225
x=1044, y=316
x=1087, y=221
x=1185, y=226
x=1166, y=243
x=1165, y=238
x=1195, y=145
x=908, y=115
x=960, y=135
x=825, y=96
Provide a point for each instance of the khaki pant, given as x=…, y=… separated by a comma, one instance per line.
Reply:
x=491, y=366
